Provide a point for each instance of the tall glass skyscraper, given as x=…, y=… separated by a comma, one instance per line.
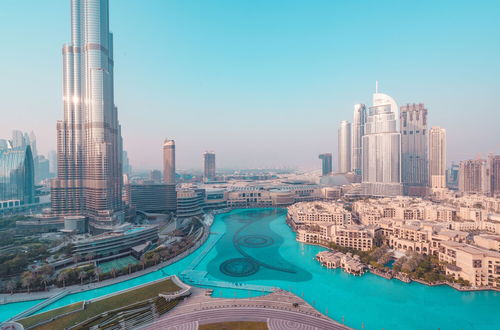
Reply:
x=89, y=144
x=209, y=166
x=17, y=177
x=381, y=173
x=358, y=130
x=326, y=163
x=414, y=149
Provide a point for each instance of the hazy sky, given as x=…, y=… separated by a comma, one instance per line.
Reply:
x=262, y=82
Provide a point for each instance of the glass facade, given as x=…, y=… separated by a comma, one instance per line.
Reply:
x=89, y=179
x=17, y=176
x=381, y=162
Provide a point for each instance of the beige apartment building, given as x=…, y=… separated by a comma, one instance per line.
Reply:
x=414, y=225
x=490, y=242
x=402, y=208
x=351, y=236
x=319, y=212
x=479, y=266
x=490, y=204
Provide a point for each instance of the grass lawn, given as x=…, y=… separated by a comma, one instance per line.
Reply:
x=235, y=326
x=32, y=320
x=101, y=306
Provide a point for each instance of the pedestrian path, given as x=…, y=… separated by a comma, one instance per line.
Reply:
x=39, y=306
x=204, y=252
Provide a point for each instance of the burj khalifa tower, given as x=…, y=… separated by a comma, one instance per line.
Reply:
x=89, y=143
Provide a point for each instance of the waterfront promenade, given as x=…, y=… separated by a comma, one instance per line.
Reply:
x=329, y=291
x=280, y=310
x=18, y=297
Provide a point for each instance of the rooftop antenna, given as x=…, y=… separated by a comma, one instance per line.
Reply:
x=376, y=86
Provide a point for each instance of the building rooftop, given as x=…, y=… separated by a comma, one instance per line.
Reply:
x=128, y=230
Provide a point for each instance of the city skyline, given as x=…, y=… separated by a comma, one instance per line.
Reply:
x=327, y=90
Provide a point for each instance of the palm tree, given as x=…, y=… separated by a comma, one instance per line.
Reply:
x=82, y=275
x=97, y=272
x=11, y=286
x=143, y=262
x=62, y=277
x=27, y=280
x=156, y=258
x=45, y=279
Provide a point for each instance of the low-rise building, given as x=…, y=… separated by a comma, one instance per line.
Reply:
x=189, y=204
x=490, y=242
x=351, y=264
x=319, y=212
x=353, y=236
x=152, y=197
x=479, y=266
x=40, y=223
x=115, y=243
x=350, y=236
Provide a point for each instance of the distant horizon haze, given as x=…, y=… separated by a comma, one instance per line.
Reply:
x=262, y=83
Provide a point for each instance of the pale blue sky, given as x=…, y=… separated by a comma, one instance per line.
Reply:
x=262, y=82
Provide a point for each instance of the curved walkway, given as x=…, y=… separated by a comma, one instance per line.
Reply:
x=280, y=310
x=276, y=319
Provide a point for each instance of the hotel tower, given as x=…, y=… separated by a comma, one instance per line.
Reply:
x=89, y=144
x=437, y=157
x=381, y=172
x=358, y=130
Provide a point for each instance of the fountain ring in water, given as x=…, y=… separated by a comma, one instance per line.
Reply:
x=255, y=241
x=239, y=267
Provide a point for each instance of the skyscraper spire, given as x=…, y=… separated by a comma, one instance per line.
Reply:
x=381, y=143
x=376, y=86
x=89, y=180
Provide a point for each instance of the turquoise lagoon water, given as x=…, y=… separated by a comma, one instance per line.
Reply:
x=259, y=248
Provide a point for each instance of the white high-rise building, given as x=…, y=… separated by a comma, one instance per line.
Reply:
x=19, y=139
x=89, y=144
x=344, y=147
x=437, y=157
x=358, y=130
x=381, y=172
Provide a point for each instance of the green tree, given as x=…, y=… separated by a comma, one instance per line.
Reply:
x=11, y=286
x=44, y=279
x=62, y=277
x=82, y=275
x=27, y=280
x=98, y=272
